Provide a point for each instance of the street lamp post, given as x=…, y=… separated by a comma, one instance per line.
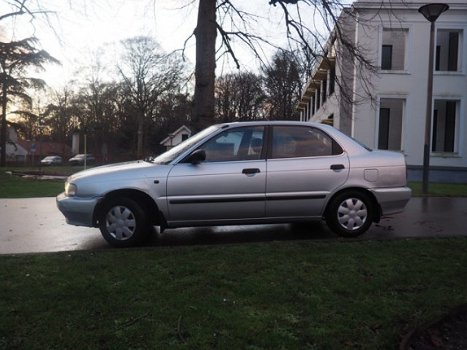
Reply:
x=431, y=12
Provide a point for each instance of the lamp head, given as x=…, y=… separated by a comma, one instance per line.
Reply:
x=432, y=11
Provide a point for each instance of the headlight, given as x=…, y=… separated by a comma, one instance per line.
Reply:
x=70, y=189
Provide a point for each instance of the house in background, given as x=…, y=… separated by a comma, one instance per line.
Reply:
x=178, y=136
x=14, y=151
x=23, y=151
x=386, y=109
x=40, y=149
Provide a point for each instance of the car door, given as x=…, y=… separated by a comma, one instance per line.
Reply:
x=304, y=166
x=230, y=184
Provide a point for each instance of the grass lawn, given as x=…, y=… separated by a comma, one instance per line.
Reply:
x=12, y=186
x=275, y=295
x=439, y=189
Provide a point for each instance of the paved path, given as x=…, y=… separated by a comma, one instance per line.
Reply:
x=36, y=225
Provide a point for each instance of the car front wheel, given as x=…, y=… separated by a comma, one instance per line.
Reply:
x=350, y=214
x=123, y=222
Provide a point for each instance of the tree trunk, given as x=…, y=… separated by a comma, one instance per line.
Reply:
x=140, y=133
x=3, y=132
x=206, y=31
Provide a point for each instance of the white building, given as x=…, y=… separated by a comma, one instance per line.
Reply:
x=386, y=109
x=14, y=151
x=178, y=136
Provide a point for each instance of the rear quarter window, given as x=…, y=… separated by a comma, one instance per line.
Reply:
x=302, y=141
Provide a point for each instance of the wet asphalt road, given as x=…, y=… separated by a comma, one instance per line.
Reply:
x=35, y=225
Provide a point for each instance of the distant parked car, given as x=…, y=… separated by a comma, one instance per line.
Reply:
x=52, y=160
x=242, y=173
x=79, y=159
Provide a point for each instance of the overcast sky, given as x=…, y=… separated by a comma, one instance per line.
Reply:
x=75, y=29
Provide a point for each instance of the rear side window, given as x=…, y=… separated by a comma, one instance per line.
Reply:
x=302, y=141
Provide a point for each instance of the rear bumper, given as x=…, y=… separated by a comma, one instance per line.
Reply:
x=392, y=200
x=77, y=211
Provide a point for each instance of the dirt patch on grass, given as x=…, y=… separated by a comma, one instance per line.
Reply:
x=447, y=333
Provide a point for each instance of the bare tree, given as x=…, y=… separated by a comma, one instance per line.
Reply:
x=148, y=73
x=239, y=96
x=205, y=33
x=62, y=114
x=283, y=85
x=224, y=17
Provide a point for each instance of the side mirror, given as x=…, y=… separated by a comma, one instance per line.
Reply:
x=197, y=157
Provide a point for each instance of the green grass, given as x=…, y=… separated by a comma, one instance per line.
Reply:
x=287, y=295
x=439, y=190
x=12, y=186
x=16, y=187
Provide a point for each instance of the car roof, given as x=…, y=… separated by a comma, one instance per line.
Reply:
x=269, y=122
x=278, y=122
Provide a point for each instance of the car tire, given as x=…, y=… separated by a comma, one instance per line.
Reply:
x=123, y=222
x=350, y=214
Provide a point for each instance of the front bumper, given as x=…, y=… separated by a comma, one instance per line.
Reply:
x=77, y=211
x=392, y=200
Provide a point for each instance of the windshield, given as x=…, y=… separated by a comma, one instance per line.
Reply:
x=173, y=153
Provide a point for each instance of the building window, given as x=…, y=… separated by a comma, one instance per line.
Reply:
x=332, y=79
x=184, y=137
x=325, y=88
x=444, y=139
x=447, y=50
x=393, y=49
x=318, y=98
x=390, y=124
x=386, y=57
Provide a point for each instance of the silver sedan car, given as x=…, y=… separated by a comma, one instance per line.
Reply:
x=242, y=173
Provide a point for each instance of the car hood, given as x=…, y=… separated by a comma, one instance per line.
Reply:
x=118, y=170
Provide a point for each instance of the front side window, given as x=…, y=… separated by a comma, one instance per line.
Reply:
x=235, y=145
x=299, y=141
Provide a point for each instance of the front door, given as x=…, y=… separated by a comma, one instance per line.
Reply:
x=230, y=184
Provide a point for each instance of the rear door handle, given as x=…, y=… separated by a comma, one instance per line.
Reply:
x=337, y=167
x=250, y=171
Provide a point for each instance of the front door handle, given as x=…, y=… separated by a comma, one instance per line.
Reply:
x=337, y=167
x=250, y=171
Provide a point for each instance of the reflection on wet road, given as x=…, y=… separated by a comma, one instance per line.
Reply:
x=36, y=225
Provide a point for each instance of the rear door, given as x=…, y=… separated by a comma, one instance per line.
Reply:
x=304, y=166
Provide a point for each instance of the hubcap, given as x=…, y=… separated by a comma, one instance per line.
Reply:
x=120, y=223
x=352, y=214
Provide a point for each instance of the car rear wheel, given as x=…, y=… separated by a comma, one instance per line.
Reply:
x=350, y=214
x=123, y=222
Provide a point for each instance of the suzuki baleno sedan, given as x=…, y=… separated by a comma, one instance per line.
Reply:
x=242, y=173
